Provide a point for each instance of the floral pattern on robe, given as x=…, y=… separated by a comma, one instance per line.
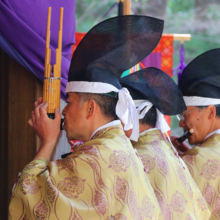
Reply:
x=203, y=162
x=102, y=179
x=177, y=193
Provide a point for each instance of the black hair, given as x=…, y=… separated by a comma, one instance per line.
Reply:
x=150, y=117
x=217, y=107
x=107, y=104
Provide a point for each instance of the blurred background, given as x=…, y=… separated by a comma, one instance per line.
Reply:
x=200, y=18
x=22, y=54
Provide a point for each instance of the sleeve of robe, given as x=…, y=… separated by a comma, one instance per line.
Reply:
x=85, y=185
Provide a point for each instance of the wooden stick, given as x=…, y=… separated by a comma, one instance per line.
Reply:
x=44, y=90
x=47, y=52
x=55, y=94
x=60, y=29
x=52, y=95
x=59, y=55
x=127, y=7
x=49, y=96
x=58, y=94
x=47, y=58
x=51, y=89
x=180, y=37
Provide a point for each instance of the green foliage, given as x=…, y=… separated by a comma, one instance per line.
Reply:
x=90, y=12
x=182, y=18
x=174, y=6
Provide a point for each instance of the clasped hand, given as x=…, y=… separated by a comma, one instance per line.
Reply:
x=181, y=148
x=46, y=129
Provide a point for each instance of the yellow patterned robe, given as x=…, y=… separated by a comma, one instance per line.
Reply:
x=177, y=193
x=203, y=162
x=103, y=178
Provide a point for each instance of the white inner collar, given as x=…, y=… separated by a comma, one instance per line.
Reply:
x=151, y=129
x=112, y=123
x=214, y=132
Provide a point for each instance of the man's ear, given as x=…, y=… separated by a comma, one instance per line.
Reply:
x=211, y=111
x=91, y=108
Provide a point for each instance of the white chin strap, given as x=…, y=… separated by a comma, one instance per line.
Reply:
x=200, y=101
x=125, y=108
x=143, y=106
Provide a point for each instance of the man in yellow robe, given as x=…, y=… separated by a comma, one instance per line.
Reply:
x=200, y=86
x=153, y=92
x=103, y=178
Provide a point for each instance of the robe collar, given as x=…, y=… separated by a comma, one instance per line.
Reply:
x=210, y=134
x=148, y=130
x=112, y=123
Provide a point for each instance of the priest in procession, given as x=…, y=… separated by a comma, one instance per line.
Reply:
x=200, y=86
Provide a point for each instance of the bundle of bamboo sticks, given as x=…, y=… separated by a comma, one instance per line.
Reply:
x=51, y=87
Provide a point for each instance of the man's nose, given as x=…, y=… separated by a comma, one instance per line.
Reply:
x=182, y=123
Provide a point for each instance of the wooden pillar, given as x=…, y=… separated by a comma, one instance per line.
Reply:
x=3, y=137
x=127, y=7
x=19, y=89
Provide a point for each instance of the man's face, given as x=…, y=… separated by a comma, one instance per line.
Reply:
x=75, y=117
x=197, y=119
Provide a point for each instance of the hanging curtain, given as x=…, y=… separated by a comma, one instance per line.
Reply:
x=165, y=48
x=153, y=60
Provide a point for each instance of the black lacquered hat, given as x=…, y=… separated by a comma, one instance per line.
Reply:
x=112, y=47
x=200, y=80
x=153, y=87
x=157, y=87
x=201, y=77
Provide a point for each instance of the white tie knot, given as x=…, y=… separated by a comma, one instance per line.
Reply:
x=127, y=113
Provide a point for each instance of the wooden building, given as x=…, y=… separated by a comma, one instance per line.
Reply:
x=18, y=142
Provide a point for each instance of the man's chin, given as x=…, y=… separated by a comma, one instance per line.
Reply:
x=69, y=137
x=191, y=142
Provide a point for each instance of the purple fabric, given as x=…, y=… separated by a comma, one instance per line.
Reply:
x=24, y=26
x=152, y=60
x=6, y=46
x=179, y=69
x=134, y=12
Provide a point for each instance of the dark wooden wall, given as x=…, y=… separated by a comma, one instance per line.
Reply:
x=18, y=143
